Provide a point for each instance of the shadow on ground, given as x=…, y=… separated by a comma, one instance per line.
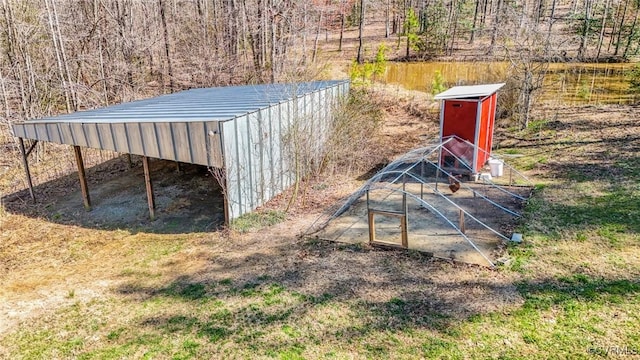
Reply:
x=188, y=200
x=375, y=291
x=350, y=294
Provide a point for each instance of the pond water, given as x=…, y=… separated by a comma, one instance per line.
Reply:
x=569, y=83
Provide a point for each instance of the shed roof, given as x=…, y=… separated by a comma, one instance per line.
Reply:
x=470, y=91
x=184, y=126
x=205, y=104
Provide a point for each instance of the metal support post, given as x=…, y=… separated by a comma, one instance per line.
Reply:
x=83, y=178
x=147, y=180
x=25, y=162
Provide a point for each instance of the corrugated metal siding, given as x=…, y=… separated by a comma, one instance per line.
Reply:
x=257, y=159
x=190, y=142
x=243, y=129
x=181, y=126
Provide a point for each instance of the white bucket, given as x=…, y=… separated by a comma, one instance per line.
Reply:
x=497, y=167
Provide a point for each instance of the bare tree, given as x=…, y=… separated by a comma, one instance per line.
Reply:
x=621, y=27
x=496, y=26
x=529, y=54
x=602, y=27
x=585, y=30
x=61, y=58
x=360, y=58
x=66, y=55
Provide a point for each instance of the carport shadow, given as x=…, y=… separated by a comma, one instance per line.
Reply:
x=187, y=201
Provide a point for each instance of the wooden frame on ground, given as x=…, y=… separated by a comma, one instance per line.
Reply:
x=403, y=228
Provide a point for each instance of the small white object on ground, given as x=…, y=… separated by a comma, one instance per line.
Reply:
x=515, y=237
x=485, y=177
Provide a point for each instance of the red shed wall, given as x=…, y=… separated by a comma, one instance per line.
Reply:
x=492, y=121
x=460, y=119
x=484, y=133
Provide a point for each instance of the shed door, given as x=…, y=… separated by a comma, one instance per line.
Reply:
x=459, y=119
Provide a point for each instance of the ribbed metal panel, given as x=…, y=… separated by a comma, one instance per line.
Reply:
x=258, y=153
x=243, y=129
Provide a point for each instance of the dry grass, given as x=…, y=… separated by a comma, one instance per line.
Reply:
x=570, y=291
x=241, y=295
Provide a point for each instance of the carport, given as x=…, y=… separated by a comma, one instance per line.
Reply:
x=244, y=133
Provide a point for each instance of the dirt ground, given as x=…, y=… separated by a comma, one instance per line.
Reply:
x=38, y=270
x=55, y=247
x=431, y=232
x=187, y=200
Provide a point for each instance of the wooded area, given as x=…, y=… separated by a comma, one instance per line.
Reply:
x=64, y=56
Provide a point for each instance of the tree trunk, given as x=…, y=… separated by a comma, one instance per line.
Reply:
x=65, y=62
x=394, y=23
x=165, y=32
x=539, y=11
x=603, y=26
x=315, y=42
x=620, y=27
x=586, y=27
x=483, y=19
x=614, y=27
x=551, y=19
x=386, y=19
x=527, y=91
x=5, y=98
x=496, y=24
x=275, y=65
x=341, y=31
x=475, y=22
x=453, y=26
x=305, y=26
x=524, y=14
x=406, y=56
x=59, y=59
x=360, y=58
x=631, y=33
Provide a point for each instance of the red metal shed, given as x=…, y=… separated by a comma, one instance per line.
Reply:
x=467, y=113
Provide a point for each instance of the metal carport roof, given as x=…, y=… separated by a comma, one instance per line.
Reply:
x=188, y=127
x=182, y=126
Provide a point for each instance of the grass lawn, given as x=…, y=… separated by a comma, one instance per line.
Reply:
x=571, y=289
